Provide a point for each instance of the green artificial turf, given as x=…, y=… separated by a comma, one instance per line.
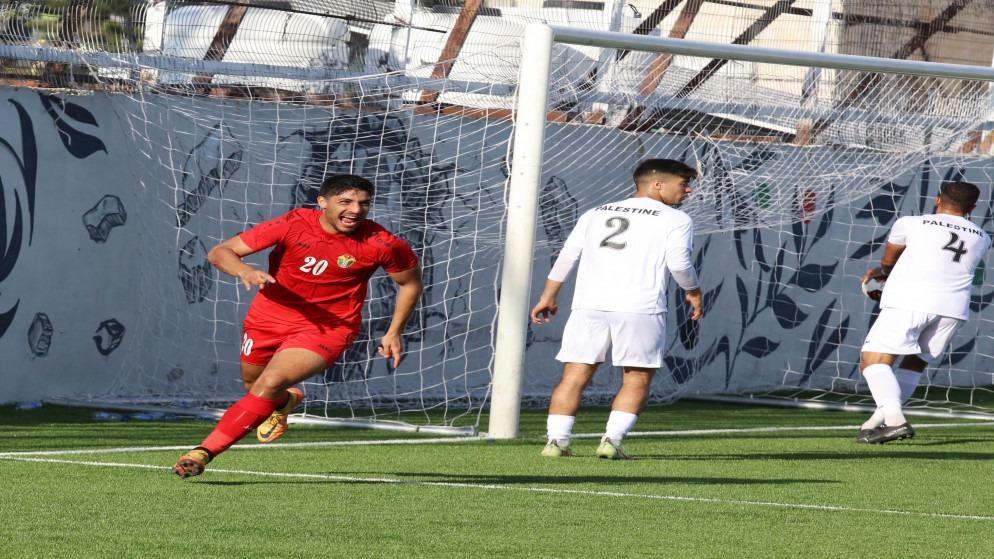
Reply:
x=787, y=493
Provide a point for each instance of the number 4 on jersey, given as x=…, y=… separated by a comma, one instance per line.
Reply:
x=959, y=251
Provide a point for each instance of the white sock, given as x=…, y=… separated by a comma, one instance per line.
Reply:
x=876, y=420
x=559, y=428
x=619, y=423
x=886, y=392
x=908, y=381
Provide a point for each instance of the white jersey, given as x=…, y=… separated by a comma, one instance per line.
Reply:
x=935, y=272
x=625, y=250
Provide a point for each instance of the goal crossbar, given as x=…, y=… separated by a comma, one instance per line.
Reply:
x=564, y=35
x=749, y=53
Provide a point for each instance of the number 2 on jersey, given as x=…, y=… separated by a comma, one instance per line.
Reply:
x=313, y=265
x=959, y=251
x=621, y=224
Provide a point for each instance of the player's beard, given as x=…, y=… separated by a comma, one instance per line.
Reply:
x=340, y=223
x=679, y=198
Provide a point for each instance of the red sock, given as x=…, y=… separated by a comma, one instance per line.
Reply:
x=243, y=416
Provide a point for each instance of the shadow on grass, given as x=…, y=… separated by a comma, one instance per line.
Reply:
x=254, y=482
x=943, y=442
x=834, y=434
x=891, y=452
x=513, y=479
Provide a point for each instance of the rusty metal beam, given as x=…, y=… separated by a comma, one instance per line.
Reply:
x=651, y=21
x=870, y=80
x=924, y=34
x=222, y=39
x=746, y=37
x=454, y=44
x=662, y=61
x=659, y=65
x=854, y=19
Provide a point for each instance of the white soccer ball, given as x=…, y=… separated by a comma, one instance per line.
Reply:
x=874, y=287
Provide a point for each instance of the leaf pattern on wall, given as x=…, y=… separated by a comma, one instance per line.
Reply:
x=757, y=240
x=743, y=293
x=687, y=329
x=979, y=302
x=739, y=253
x=870, y=247
x=788, y=314
x=760, y=346
x=26, y=166
x=7, y=317
x=67, y=116
x=780, y=279
x=819, y=352
x=813, y=277
x=961, y=353
x=681, y=369
x=9, y=249
x=883, y=207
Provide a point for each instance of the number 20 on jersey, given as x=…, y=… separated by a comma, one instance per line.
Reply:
x=314, y=266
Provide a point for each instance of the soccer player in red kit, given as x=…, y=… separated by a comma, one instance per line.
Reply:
x=308, y=310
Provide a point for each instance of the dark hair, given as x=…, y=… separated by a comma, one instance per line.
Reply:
x=337, y=184
x=669, y=166
x=962, y=195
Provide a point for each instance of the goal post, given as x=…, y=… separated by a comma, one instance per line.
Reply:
x=531, y=114
x=522, y=213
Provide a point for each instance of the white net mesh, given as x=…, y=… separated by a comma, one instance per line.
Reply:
x=229, y=166
x=237, y=114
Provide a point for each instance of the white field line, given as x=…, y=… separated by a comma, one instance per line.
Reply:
x=273, y=446
x=444, y=440
x=545, y=490
x=689, y=432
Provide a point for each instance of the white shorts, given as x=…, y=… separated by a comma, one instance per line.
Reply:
x=636, y=340
x=904, y=332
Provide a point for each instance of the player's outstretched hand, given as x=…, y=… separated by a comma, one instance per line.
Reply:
x=255, y=277
x=695, y=300
x=543, y=310
x=872, y=273
x=391, y=348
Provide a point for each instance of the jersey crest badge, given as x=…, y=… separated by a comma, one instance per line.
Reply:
x=346, y=261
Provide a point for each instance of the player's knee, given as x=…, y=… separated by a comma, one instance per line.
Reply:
x=637, y=376
x=573, y=383
x=271, y=383
x=868, y=358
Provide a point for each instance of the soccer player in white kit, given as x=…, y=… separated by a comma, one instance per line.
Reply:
x=625, y=250
x=929, y=262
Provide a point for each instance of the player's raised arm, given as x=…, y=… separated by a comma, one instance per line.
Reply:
x=409, y=287
x=227, y=257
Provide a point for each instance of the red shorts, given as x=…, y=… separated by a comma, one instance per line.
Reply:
x=261, y=341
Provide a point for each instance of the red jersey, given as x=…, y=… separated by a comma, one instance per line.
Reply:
x=321, y=277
